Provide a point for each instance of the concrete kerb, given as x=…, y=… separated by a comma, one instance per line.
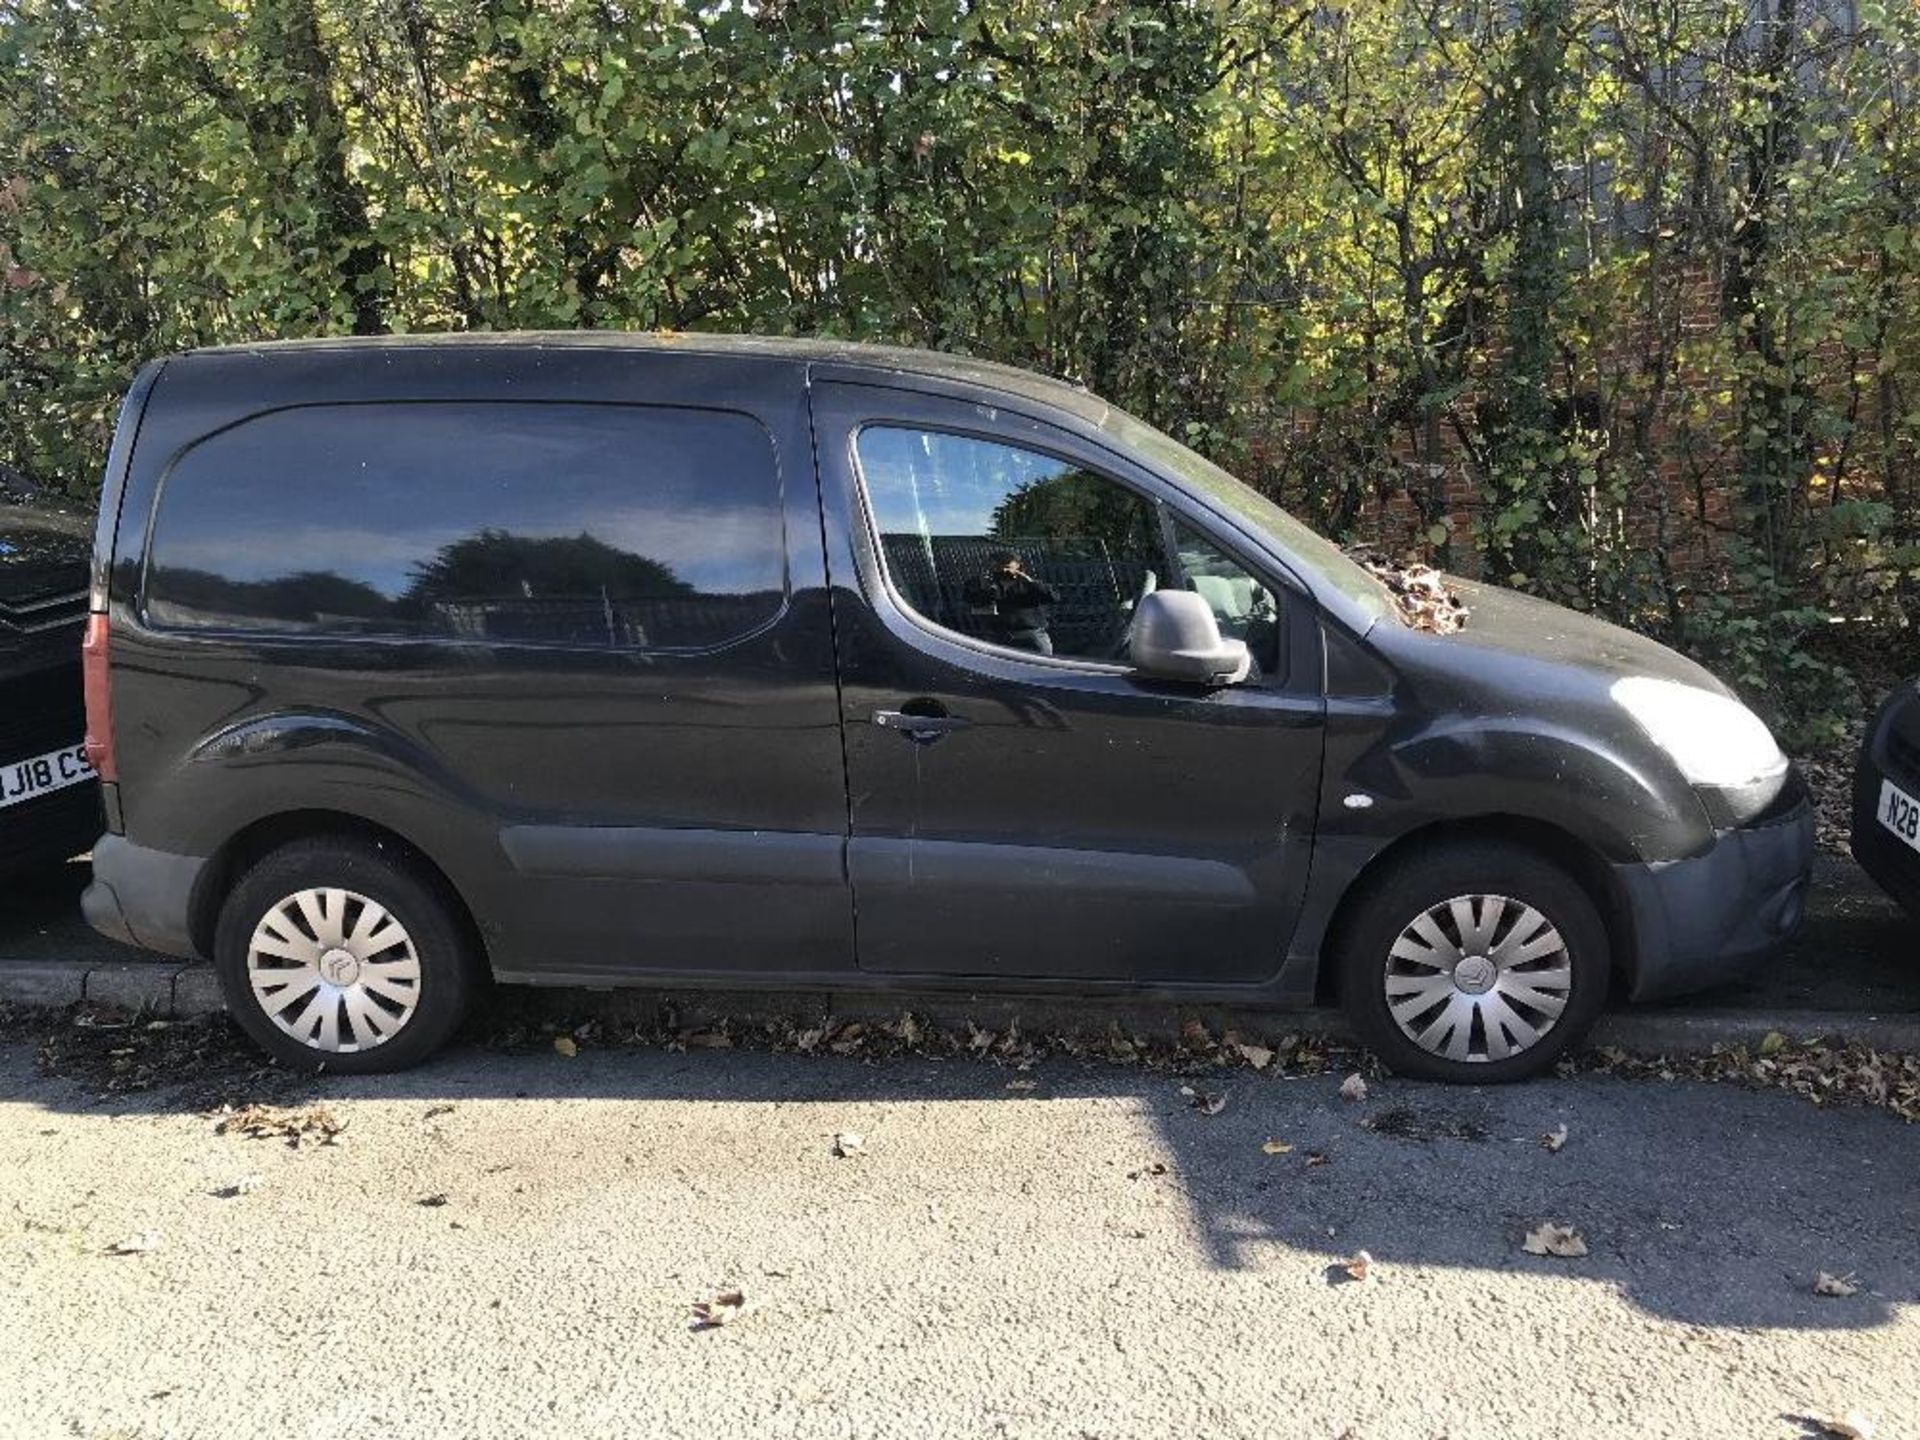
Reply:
x=43, y=984
x=1700, y=1032
x=184, y=992
x=135, y=987
x=164, y=989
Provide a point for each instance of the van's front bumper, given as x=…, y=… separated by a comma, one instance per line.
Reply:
x=142, y=897
x=1711, y=918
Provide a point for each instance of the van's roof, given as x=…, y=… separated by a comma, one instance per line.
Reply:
x=895, y=359
x=1350, y=590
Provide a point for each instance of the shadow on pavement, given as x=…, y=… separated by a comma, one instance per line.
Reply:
x=1703, y=1204
x=1859, y=953
x=40, y=919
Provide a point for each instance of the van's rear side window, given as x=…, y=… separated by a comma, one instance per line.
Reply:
x=632, y=527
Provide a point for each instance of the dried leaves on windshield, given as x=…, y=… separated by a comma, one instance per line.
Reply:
x=1421, y=595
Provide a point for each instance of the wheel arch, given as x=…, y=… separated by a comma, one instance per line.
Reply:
x=1577, y=857
x=268, y=833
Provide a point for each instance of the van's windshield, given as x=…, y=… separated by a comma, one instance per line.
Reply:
x=1247, y=505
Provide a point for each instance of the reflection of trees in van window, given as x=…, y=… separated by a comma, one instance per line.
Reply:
x=496, y=563
x=491, y=586
x=1077, y=506
x=308, y=599
x=570, y=588
x=604, y=525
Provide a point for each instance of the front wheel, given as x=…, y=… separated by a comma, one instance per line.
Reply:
x=1475, y=963
x=340, y=955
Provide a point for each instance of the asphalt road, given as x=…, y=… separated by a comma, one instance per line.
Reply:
x=1085, y=1257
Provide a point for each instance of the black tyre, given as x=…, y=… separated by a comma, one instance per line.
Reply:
x=340, y=955
x=1475, y=962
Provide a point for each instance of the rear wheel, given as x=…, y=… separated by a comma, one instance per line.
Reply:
x=339, y=954
x=1478, y=962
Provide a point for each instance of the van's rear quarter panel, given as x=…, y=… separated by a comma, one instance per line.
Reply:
x=449, y=743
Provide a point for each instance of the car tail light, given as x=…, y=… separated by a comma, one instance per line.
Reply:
x=93, y=667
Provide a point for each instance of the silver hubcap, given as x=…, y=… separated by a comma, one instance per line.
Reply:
x=334, y=970
x=1478, y=977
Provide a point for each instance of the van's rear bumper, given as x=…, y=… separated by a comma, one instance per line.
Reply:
x=1710, y=919
x=142, y=897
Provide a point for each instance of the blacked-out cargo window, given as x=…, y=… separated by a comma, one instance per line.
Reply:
x=603, y=525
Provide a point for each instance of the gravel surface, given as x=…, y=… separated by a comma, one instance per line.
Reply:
x=513, y=1244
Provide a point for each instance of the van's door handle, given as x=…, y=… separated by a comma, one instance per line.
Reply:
x=921, y=729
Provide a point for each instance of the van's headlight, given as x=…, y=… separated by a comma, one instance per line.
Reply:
x=1718, y=743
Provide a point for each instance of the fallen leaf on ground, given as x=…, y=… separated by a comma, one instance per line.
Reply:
x=849, y=1143
x=1837, y=1286
x=1554, y=1139
x=294, y=1124
x=1207, y=1102
x=1258, y=1056
x=721, y=1309
x=433, y=1201
x=245, y=1185
x=1353, y=1087
x=1359, y=1267
x=140, y=1244
x=1195, y=1036
x=1316, y=1158
x=1550, y=1238
x=1276, y=1147
x=437, y=1110
x=1816, y=1070
x=707, y=1040
x=1158, y=1167
x=564, y=1044
x=1851, y=1426
x=1772, y=1043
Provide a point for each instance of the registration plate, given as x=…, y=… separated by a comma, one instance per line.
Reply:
x=21, y=780
x=1900, y=813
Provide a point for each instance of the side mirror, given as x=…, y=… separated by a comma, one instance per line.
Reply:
x=1175, y=637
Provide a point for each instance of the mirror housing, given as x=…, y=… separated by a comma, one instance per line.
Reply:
x=1175, y=637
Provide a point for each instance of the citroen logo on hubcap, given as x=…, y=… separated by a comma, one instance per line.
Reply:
x=1475, y=975
x=339, y=967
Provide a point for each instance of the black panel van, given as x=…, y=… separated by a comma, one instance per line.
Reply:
x=583, y=659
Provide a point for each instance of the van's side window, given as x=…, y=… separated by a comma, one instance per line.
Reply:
x=1010, y=545
x=599, y=525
